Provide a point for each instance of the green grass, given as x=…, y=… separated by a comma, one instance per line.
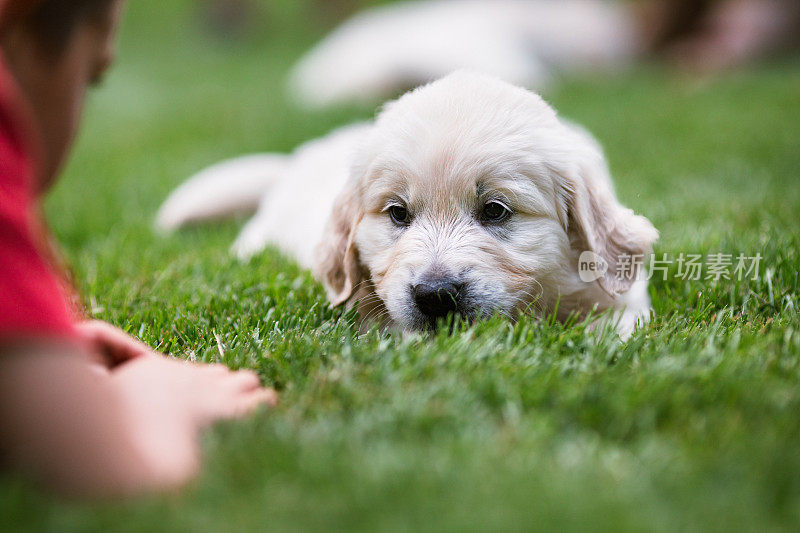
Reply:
x=693, y=424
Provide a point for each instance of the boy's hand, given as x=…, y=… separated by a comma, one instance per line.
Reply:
x=199, y=393
x=109, y=344
x=169, y=401
x=124, y=431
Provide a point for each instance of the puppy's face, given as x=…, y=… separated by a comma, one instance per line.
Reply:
x=464, y=201
x=458, y=224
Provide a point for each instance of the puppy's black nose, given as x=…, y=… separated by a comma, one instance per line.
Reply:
x=436, y=299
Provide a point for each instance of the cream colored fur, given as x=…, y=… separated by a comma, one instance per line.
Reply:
x=443, y=151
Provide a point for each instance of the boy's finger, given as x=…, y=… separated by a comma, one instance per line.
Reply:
x=267, y=397
x=116, y=345
x=245, y=380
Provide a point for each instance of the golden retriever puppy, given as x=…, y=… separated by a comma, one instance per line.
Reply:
x=467, y=196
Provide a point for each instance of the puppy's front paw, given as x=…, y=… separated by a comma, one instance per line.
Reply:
x=249, y=243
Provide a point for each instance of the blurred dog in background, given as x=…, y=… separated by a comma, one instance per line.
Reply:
x=382, y=51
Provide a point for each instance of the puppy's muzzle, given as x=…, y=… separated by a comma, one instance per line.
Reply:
x=437, y=298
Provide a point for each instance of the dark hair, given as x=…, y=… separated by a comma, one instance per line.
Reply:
x=53, y=22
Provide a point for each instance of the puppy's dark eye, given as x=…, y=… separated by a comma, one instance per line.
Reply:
x=495, y=212
x=399, y=215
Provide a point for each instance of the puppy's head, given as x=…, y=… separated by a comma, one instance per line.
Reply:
x=471, y=197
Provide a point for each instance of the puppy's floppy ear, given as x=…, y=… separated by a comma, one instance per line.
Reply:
x=337, y=263
x=595, y=220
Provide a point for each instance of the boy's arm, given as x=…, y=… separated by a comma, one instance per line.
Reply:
x=134, y=429
x=70, y=427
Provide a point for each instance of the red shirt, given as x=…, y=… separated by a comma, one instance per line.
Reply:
x=32, y=296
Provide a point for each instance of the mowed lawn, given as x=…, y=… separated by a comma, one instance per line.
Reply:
x=693, y=424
